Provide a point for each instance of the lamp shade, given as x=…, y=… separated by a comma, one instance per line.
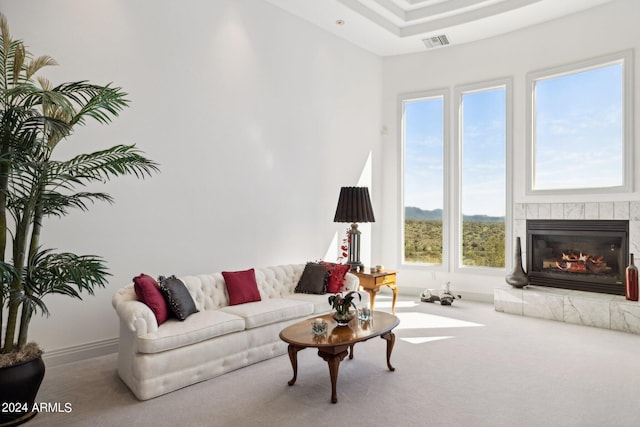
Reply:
x=354, y=205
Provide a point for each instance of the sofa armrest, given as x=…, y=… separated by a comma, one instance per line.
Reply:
x=136, y=315
x=351, y=282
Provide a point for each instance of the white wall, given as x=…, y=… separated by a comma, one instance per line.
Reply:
x=256, y=117
x=590, y=34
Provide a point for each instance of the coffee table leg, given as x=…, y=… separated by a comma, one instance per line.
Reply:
x=333, y=360
x=293, y=356
x=391, y=339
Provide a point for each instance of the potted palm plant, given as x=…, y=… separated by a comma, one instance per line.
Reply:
x=35, y=116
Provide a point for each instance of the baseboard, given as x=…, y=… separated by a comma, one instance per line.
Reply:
x=80, y=352
x=477, y=296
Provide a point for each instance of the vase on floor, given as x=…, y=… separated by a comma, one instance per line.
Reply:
x=517, y=278
x=631, y=280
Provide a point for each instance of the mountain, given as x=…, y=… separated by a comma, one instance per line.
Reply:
x=411, y=212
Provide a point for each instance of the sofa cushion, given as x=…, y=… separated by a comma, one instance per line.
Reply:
x=178, y=298
x=241, y=286
x=270, y=311
x=313, y=279
x=148, y=291
x=320, y=302
x=198, y=327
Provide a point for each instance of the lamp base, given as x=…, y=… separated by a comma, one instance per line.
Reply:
x=356, y=266
x=354, y=248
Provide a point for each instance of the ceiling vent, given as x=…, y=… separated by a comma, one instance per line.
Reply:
x=436, y=41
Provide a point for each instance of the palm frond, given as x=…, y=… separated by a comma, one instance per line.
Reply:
x=7, y=273
x=104, y=105
x=106, y=164
x=55, y=204
x=38, y=63
x=61, y=273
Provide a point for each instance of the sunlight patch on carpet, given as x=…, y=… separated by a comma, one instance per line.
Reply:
x=428, y=321
x=422, y=340
x=380, y=303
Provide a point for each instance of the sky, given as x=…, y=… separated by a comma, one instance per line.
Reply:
x=579, y=132
x=483, y=153
x=578, y=141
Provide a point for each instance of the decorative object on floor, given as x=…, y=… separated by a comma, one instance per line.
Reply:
x=518, y=277
x=354, y=206
x=342, y=305
x=631, y=280
x=444, y=296
x=37, y=184
x=318, y=326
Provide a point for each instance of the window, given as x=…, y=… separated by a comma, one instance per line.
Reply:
x=578, y=127
x=456, y=214
x=423, y=134
x=482, y=123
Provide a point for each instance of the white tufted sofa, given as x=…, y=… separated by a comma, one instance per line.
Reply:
x=154, y=360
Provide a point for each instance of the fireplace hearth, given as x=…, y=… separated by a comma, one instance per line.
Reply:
x=581, y=255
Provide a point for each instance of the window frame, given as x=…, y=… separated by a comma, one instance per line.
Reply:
x=625, y=58
x=416, y=96
x=456, y=244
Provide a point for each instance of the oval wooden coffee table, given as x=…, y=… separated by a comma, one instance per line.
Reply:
x=334, y=345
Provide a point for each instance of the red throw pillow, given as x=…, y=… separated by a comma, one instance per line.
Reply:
x=148, y=292
x=337, y=273
x=241, y=286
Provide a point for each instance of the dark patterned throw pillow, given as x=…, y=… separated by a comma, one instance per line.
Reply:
x=313, y=279
x=178, y=297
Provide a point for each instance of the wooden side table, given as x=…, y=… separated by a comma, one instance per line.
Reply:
x=371, y=282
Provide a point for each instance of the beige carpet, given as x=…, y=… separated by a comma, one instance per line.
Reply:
x=463, y=365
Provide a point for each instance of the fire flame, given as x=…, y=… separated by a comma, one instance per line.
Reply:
x=580, y=262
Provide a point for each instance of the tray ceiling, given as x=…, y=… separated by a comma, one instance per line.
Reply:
x=394, y=27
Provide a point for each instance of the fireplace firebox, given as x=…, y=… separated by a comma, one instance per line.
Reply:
x=578, y=254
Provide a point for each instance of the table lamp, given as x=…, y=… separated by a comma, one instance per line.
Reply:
x=354, y=206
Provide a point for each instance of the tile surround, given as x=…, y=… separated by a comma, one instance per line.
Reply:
x=563, y=305
x=589, y=210
x=581, y=308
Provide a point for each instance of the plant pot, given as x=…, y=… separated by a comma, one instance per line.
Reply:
x=343, y=319
x=19, y=385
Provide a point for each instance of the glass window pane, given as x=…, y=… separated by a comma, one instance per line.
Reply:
x=578, y=130
x=483, y=189
x=423, y=179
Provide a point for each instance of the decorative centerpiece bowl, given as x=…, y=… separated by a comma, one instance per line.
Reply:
x=343, y=319
x=342, y=305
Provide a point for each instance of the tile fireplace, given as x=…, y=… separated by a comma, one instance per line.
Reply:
x=556, y=302
x=583, y=255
